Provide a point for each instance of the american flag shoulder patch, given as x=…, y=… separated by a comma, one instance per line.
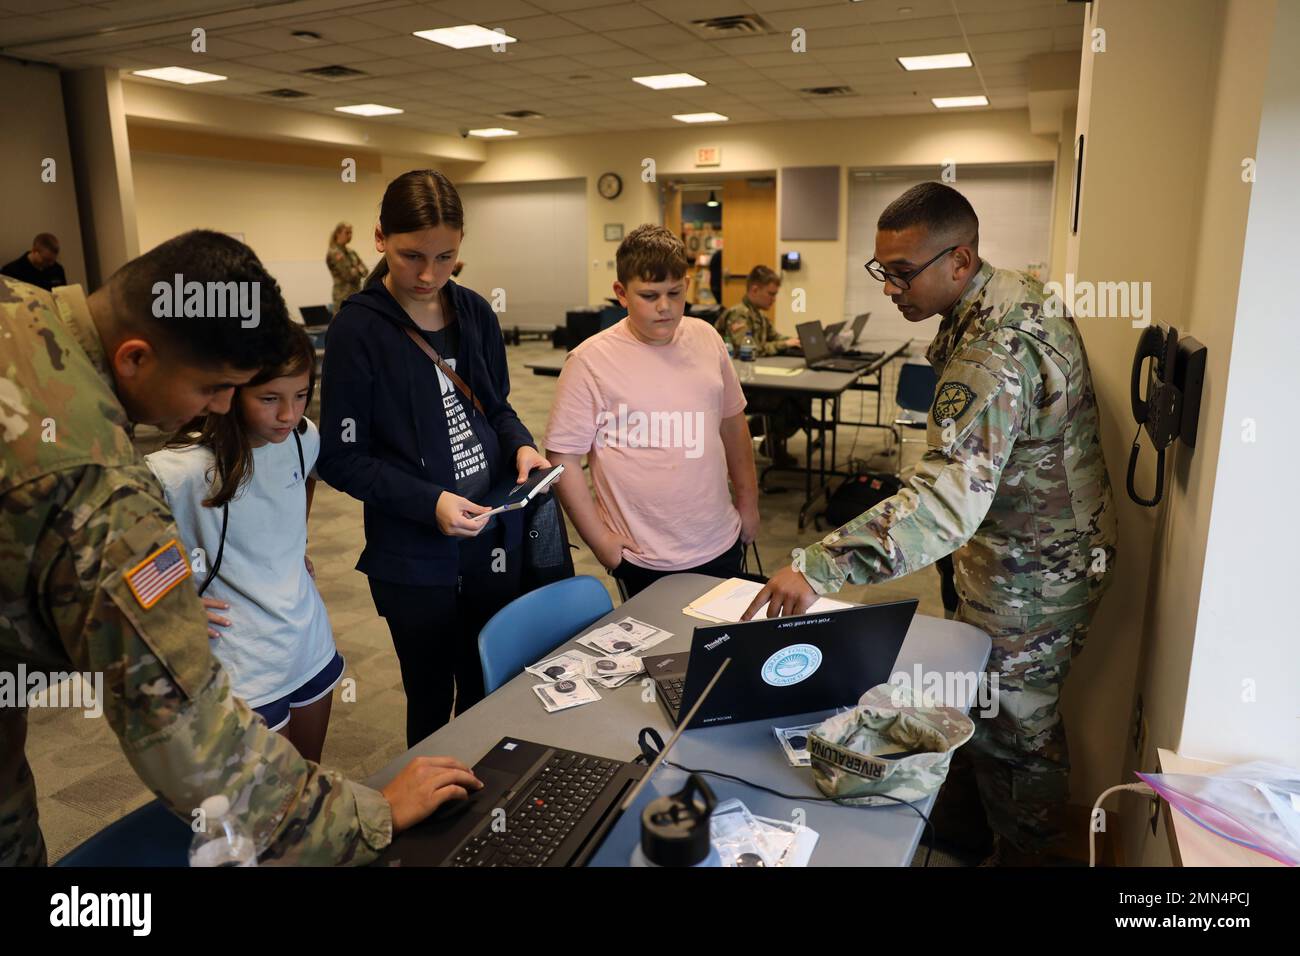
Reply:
x=157, y=574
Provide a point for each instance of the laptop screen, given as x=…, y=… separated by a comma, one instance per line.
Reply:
x=315, y=315
x=813, y=341
x=858, y=324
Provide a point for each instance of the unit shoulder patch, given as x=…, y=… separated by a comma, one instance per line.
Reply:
x=951, y=401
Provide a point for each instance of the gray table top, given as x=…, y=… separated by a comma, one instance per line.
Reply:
x=806, y=382
x=608, y=728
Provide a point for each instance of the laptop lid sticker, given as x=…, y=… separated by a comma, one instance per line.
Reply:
x=791, y=665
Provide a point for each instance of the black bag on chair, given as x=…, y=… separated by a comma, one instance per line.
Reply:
x=856, y=494
x=546, y=545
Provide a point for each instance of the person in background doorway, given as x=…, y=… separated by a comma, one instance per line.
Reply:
x=344, y=264
x=39, y=267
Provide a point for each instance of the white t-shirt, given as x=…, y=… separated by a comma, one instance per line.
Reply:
x=279, y=636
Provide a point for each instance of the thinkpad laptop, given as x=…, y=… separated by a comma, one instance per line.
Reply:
x=539, y=806
x=558, y=805
x=784, y=665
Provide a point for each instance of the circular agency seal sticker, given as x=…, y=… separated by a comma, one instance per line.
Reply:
x=792, y=664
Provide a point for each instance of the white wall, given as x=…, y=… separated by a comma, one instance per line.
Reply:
x=995, y=136
x=1167, y=125
x=528, y=240
x=1243, y=693
x=285, y=213
x=32, y=109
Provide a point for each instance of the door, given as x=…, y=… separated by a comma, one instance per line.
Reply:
x=748, y=232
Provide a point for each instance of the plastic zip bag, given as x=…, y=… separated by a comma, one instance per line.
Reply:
x=743, y=839
x=1255, y=805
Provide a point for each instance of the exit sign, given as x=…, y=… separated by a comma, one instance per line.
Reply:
x=708, y=156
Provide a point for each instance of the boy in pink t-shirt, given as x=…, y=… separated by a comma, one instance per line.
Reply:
x=655, y=405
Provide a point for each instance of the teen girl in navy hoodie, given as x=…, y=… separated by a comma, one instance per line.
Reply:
x=403, y=437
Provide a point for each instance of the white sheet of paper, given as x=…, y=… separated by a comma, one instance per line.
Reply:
x=734, y=598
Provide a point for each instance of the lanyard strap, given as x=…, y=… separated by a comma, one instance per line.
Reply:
x=446, y=369
x=225, y=517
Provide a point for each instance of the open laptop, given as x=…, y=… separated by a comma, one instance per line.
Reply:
x=784, y=665
x=539, y=806
x=558, y=805
x=859, y=323
x=817, y=354
x=315, y=316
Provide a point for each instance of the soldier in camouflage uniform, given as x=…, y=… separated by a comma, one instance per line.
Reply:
x=1013, y=481
x=93, y=577
x=761, y=288
x=784, y=415
x=346, y=267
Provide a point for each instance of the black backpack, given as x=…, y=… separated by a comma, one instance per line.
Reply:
x=856, y=494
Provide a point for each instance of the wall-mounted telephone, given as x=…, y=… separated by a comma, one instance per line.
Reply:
x=1173, y=399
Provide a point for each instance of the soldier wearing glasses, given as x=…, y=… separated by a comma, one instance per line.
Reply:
x=1012, y=483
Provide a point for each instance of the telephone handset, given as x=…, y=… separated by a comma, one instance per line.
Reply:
x=1173, y=398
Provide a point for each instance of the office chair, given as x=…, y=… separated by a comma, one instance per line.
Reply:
x=149, y=836
x=914, y=395
x=531, y=626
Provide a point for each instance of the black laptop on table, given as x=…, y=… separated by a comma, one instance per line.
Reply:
x=817, y=354
x=539, y=806
x=558, y=805
x=315, y=316
x=784, y=665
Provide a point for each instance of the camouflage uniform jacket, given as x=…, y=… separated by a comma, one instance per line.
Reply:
x=747, y=317
x=348, y=271
x=1013, y=478
x=94, y=579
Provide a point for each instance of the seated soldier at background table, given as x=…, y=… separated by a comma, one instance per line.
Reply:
x=783, y=414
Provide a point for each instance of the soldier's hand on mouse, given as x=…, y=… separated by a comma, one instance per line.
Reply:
x=787, y=592
x=425, y=784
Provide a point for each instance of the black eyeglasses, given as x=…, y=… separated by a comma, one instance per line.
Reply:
x=877, y=271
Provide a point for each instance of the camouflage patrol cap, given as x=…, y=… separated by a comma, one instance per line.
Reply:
x=890, y=744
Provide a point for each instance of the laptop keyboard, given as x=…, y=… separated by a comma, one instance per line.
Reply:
x=673, y=688
x=553, y=803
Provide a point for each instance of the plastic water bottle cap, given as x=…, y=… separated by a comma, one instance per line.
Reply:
x=216, y=806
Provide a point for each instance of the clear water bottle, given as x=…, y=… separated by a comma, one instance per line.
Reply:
x=222, y=841
x=731, y=349
x=747, y=348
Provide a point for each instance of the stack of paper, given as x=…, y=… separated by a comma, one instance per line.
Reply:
x=777, y=370
x=726, y=603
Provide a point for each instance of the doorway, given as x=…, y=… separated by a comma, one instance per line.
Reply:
x=732, y=218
